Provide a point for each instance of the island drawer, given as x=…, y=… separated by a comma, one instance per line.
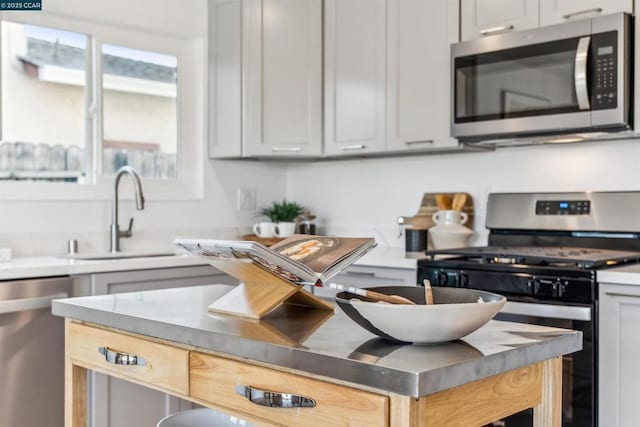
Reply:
x=220, y=382
x=131, y=358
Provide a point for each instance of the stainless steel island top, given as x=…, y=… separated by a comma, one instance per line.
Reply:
x=323, y=343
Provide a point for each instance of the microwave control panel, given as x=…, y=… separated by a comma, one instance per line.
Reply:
x=604, y=86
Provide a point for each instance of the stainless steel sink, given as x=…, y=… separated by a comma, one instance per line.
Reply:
x=117, y=255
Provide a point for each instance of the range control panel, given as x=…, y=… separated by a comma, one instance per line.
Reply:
x=563, y=207
x=604, y=87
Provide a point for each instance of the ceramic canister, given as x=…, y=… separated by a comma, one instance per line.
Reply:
x=415, y=239
x=449, y=231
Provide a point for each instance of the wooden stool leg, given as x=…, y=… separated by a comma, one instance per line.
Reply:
x=75, y=389
x=549, y=412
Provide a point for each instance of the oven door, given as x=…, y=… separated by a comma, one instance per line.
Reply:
x=551, y=80
x=578, y=373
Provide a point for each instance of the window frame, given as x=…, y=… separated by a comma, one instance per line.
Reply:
x=190, y=126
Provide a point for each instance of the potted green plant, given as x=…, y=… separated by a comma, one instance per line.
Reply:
x=283, y=214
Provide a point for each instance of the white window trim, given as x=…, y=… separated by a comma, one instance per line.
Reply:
x=191, y=56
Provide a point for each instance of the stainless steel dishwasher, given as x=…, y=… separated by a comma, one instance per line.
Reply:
x=32, y=352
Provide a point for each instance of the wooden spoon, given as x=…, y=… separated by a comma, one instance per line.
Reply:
x=376, y=296
x=459, y=199
x=443, y=201
x=428, y=292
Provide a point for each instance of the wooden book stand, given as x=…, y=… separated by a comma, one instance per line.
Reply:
x=259, y=291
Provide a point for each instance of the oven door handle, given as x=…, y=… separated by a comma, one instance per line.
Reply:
x=580, y=73
x=547, y=310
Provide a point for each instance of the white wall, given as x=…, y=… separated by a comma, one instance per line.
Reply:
x=183, y=18
x=43, y=227
x=32, y=227
x=366, y=196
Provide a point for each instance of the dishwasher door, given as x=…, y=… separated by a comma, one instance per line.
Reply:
x=32, y=353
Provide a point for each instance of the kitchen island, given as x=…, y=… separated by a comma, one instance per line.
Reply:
x=344, y=375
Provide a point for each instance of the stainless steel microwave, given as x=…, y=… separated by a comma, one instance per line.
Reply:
x=567, y=78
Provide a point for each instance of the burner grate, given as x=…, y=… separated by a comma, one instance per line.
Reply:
x=553, y=256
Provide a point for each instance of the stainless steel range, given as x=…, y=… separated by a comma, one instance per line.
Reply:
x=543, y=254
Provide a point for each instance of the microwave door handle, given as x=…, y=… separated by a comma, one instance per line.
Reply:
x=582, y=92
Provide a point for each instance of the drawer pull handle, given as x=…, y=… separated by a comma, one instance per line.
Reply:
x=619, y=294
x=117, y=358
x=359, y=273
x=495, y=30
x=274, y=399
x=353, y=147
x=582, y=12
x=286, y=149
x=424, y=141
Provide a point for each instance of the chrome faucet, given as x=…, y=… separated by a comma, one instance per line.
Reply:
x=116, y=233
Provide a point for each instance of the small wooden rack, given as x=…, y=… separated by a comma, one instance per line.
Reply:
x=259, y=291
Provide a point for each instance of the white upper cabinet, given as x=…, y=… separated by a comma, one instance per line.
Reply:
x=558, y=11
x=283, y=94
x=418, y=73
x=267, y=78
x=387, y=75
x=487, y=17
x=355, y=62
x=225, y=78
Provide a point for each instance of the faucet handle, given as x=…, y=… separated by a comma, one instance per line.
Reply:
x=127, y=232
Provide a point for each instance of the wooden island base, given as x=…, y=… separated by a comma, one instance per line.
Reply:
x=210, y=379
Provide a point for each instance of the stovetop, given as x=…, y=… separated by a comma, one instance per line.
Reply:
x=552, y=256
x=545, y=273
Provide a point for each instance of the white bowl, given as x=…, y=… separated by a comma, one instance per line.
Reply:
x=456, y=313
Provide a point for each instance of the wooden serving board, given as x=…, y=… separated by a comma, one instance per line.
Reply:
x=433, y=202
x=267, y=241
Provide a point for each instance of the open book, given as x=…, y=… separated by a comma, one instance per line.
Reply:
x=301, y=258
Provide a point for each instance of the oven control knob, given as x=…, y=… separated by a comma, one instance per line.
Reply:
x=533, y=286
x=442, y=279
x=463, y=280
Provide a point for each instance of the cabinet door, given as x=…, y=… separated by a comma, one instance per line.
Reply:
x=486, y=17
x=282, y=55
x=119, y=403
x=558, y=11
x=225, y=78
x=619, y=352
x=355, y=62
x=363, y=276
x=418, y=73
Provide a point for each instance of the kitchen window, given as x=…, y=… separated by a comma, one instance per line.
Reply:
x=44, y=75
x=78, y=101
x=139, y=111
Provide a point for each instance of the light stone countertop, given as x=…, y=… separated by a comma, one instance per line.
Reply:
x=625, y=275
x=47, y=266
x=390, y=257
x=323, y=343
